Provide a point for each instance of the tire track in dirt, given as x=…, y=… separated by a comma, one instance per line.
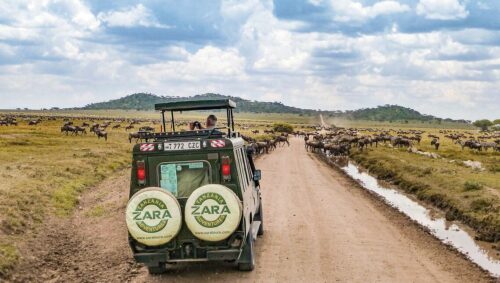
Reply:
x=90, y=246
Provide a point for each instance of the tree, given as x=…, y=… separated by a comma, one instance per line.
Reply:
x=282, y=127
x=496, y=122
x=483, y=124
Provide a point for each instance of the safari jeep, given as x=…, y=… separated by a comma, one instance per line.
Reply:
x=194, y=195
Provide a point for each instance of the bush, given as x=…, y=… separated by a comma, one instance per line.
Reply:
x=282, y=127
x=482, y=205
x=483, y=124
x=472, y=186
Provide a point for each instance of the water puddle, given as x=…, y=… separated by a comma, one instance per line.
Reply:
x=449, y=234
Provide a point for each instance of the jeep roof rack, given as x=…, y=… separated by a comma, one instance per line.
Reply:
x=192, y=105
x=188, y=105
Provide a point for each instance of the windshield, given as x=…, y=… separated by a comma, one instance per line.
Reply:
x=182, y=178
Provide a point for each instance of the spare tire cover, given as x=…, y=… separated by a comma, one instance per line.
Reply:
x=213, y=212
x=153, y=216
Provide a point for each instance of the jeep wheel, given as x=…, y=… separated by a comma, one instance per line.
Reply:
x=158, y=269
x=247, y=258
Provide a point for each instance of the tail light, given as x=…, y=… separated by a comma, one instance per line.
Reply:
x=226, y=168
x=141, y=172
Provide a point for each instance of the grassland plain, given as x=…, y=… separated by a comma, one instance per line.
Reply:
x=43, y=172
x=464, y=193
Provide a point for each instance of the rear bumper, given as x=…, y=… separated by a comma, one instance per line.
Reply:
x=152, y=259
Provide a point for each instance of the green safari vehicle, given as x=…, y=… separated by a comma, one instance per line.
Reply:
x=195, y=194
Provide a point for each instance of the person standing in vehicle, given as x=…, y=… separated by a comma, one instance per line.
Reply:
x=211, y=121
x=210, y=124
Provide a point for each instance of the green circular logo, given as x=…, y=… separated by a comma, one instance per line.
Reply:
x=210, y=210
x=151, y=215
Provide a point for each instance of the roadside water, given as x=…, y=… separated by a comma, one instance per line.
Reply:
x=438, y=226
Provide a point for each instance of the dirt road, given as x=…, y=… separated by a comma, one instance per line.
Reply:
x=320, y=227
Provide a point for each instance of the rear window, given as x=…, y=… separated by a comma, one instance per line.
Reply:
x=182, y=178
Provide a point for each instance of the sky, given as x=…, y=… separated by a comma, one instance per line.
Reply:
x=440, y=57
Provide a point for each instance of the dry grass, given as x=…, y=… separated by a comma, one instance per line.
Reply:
x=43, y=172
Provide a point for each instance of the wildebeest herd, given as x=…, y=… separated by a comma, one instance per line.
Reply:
x=339, y=141
x=334, y=141
x=266, y=145
x=97, y=126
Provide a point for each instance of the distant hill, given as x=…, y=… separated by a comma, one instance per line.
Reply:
x=387, y=113
x=146, y=101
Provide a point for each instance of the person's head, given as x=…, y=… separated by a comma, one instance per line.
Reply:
x=194, y=125
x=211, y=121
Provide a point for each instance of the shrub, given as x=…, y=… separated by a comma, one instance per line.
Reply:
x=472, y=186
x=482, y=205
x=283, y=127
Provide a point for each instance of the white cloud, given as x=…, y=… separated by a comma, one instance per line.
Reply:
x=130, y=17
x=442, y=9
x=263, y=57
x=348, y=10
x=207, y=63
x=270, y=45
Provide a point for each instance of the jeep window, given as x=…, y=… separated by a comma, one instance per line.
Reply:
x=244, y=172
x=249, y=169
x=182, y=178
x=241, y=169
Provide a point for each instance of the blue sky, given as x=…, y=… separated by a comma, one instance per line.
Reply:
x=441, y=57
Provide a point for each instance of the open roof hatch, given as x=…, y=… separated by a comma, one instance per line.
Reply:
x=193, y=105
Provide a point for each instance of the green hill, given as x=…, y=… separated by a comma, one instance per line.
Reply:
x=146, y=101
x=387, y=113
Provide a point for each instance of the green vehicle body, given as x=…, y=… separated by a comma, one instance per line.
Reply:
x=243, y=181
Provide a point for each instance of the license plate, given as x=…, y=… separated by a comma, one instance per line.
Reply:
x=189, y=145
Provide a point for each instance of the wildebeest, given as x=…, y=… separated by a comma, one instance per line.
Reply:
x=337, y=149
x=435, y=143
x=79, y=129
x=487, y=145
x=282, y=139
x=146, y=129
x=470, y=144
x=129, y=127
x=68, y=128
x=139, y=136
x=401, y=142
x=263, y=147
x=101, y=133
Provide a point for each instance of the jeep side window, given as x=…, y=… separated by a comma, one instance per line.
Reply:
x=242, y=170
x=241, y=175
x=245, y=166
x=249, y=170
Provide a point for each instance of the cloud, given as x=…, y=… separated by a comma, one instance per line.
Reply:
x=138, y=15
x=348, y=10
x=313, y=54
x=442, y=9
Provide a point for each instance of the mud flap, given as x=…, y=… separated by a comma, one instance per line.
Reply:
x=151, y=259
x=246, y=261
x=255, y=229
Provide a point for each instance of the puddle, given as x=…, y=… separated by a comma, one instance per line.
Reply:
x=439, y=227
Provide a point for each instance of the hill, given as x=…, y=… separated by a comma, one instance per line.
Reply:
x=146, y=101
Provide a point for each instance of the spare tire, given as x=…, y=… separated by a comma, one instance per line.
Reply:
x=213, y=212
x=153, y=216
